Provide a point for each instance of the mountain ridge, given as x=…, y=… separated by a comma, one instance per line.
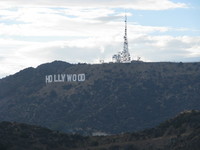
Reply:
x=180, y=132
x=114, y=98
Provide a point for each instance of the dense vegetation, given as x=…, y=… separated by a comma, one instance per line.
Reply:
x=179, y=133
x=115, y=98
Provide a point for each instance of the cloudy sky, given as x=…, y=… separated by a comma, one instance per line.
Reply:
x=40, y=31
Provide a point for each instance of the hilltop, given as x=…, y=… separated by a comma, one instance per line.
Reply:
x=181, y=132
x=114, y=98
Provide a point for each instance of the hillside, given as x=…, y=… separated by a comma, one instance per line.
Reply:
x=181, y=132
x=114, y=98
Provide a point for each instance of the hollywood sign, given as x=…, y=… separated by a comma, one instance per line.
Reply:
x=65, y=78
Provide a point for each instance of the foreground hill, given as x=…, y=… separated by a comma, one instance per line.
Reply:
x=181, y=132
x=114, y=98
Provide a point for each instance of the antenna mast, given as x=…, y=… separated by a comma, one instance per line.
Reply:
x=125, y=53
x=124, y=56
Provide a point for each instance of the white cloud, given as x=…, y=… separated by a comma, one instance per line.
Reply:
x=49, y=22
x=133, y=4
x=166, y=48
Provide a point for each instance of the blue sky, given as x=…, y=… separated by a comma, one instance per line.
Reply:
x=32, y=33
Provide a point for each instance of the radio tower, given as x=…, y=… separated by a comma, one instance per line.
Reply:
x=125, y=53
x=124, y=56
